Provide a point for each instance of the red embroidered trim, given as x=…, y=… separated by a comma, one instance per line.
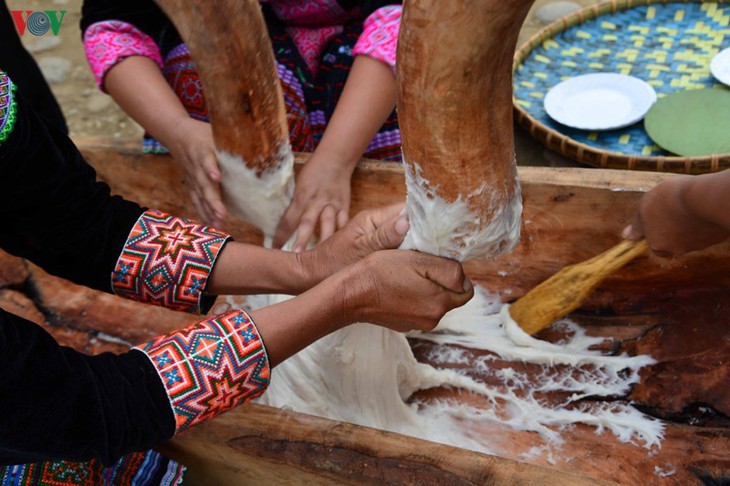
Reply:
x=210, y=367
x=166, y=261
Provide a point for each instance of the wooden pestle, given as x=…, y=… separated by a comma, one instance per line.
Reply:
x=566, y=290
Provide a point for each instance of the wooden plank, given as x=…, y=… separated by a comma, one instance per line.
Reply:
x=254, y=443
x=570, y=215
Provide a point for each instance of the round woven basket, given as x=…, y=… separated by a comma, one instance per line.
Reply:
x=667, y=43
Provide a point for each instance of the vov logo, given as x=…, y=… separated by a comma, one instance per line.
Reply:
x=38, y=23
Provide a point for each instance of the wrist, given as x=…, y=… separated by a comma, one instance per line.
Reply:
x=170, y=137
x=306, y=272
x=339, y=163
x=289, y=326
x=703, y=197
x=266, y=272
x=343, y=297
x=292, y=275
x=686, y=192
x=356, y=292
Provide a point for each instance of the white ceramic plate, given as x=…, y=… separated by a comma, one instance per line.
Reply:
x=720, y=66
x=600, y=101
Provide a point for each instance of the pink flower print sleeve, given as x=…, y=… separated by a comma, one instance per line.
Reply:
x=379, y=38
x=107, y=43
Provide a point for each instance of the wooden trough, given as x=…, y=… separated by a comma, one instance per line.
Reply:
x=678, y=311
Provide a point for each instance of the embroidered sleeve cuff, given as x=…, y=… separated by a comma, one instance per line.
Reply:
x=210, y=367
x=8, y=107
x=107, y=43
x=166, y=261
x=379, y=37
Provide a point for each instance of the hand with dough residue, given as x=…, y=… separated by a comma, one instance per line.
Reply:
x=322, y=196
x=194, y=148
x=404, y=290
x=368, y=232
x=683, y=214
x=138, y=86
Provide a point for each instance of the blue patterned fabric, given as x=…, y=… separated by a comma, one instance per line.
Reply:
x=670, y=46
x=140, y=469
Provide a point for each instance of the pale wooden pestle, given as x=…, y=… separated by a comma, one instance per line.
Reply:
x=566, y=290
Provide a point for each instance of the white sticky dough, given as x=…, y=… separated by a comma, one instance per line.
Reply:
x=259, y=199
x=453, y=229
x=364, y=374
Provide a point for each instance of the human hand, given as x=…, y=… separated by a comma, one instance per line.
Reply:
x=322, y=195
x=669, y=227
x=403, y=290
x=369, y=231
x=399, y=289
x=194, y=148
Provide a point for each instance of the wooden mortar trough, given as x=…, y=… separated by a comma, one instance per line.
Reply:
x=678, y=311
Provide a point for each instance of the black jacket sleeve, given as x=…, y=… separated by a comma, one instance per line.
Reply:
x=53, y=211
x=58, y=404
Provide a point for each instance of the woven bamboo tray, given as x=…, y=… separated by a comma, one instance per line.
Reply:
x=667, y=43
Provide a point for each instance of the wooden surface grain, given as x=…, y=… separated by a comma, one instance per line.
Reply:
x=676, y=310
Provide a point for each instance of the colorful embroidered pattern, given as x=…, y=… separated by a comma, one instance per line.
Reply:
x=311, y=41
x=210, y=367
x=379, y=38
x=319, y=96
x=180, y=73
x=139, y=469
x=300, y=129
x=166, y=261
x=8, y=106
x=108, y=43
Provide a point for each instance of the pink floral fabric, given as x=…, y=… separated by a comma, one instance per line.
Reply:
x=379, y=38
x=310, y=42
x=311, y=24
x=107, y=43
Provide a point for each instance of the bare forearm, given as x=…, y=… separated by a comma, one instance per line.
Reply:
x=290, y=326
x=139, y=88
x=706, y=197
x=399, y=289
x=367, y=100
x=243, y=269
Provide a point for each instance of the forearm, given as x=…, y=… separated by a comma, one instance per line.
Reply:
x=367, y=100
x=706, y=197
x=290, y=326
x=243, y=269
x=137, y=85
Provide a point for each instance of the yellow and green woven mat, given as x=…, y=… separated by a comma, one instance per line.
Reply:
x=668, y=45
